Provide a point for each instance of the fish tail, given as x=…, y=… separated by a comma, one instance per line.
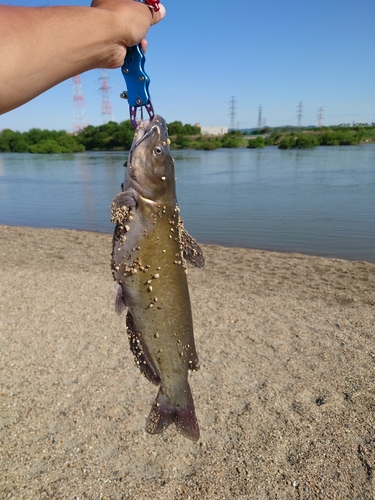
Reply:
x=163, y=413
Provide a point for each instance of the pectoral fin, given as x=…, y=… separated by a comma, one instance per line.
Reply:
x=124, y=199
x=192, y=252
x=121, y=206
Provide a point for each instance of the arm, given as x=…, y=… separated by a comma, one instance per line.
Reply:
x=42, y=46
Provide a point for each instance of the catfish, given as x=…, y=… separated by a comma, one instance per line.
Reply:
x=150, y=250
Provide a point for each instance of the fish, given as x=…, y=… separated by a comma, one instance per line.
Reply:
x=150, y=250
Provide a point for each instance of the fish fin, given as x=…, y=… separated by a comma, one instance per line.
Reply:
x=163, y=413
x=122, y=206
x=124, y=199
x=119, y=300
x=141, y=357
x=192, y=252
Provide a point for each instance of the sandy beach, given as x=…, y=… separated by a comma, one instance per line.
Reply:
x=285, y=395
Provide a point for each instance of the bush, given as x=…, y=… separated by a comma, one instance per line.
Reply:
x=232, y=139
x=46, y=146
x=299, y=141
x=288, y=142
x=305, y=141
x=181, y=141
x=208, y=144
x=256, y=143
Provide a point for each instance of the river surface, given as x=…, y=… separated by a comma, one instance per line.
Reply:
x=319, y=201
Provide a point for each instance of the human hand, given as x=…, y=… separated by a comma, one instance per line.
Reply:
x=131, y=22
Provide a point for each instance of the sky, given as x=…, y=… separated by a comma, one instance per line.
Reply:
x=208, y=54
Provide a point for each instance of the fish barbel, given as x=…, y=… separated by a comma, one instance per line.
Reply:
x=150, y=248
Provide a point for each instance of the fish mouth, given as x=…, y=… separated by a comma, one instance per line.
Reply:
x=146, y=128
x=142, y=132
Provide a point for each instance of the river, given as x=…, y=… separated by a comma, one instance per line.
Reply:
x=319, y=201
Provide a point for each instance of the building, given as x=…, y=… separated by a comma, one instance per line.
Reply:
x=214, y=130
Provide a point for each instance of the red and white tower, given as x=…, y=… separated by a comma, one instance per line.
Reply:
x=106, y=107
x=79, y=108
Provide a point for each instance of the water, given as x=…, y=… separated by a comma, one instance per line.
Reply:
x=319, y=201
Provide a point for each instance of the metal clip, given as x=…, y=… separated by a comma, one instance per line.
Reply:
x=136, y=79
x=137, y=83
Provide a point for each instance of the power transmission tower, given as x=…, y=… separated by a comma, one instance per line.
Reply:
x=106, y=106
x=79, y=108
x=260, y=121
x=232, y=112
x=320, y=116
x=299, y=114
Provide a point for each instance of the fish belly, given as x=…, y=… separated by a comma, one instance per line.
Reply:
x=149, y=267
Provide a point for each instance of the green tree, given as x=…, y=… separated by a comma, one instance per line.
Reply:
x=181, y=141
x=208, y=143
x=19, y=144
x=256, y=143
x=122, y=138
x=4, y=146
x=306, y=141
x=108, y=136
x=191, y=129
x=36, y=135
x=175, y=128
x=298, y=141
x=46, y=146
x=232, y=139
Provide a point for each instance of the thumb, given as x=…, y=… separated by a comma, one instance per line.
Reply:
x=159, y=15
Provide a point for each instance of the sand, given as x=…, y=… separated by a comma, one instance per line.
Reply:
x=285, y=396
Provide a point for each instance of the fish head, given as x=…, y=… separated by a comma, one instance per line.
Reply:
x=150, y=166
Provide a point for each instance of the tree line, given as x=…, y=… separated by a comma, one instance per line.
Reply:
x=109, y=136
x=341, y=135
x=119, y=136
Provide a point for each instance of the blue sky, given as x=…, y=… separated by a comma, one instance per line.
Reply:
x=272, y=53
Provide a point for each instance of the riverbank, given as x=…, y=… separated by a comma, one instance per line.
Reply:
x=284, y=396
x=114, y=136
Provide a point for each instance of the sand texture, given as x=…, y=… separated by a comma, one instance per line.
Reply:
x=285, y=396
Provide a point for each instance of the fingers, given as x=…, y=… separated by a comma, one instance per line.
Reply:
x=144, y=45
x=159, y=15
x=131, y=21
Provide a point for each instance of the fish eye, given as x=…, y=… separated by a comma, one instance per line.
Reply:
x=158, y=150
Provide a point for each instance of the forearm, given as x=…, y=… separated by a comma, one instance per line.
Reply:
x=41, y=47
